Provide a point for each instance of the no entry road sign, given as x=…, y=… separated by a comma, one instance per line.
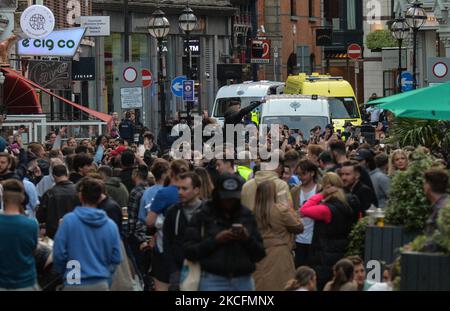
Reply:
x=354, y=51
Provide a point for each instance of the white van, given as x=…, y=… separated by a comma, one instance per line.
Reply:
x=245, y=93
x=298, y=112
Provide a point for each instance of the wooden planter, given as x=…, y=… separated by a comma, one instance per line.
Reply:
x=383, y=243
x=425, y=271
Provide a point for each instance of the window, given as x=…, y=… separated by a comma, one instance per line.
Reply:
x=343, y=108
x=293, y=8
x=311, y=8
x=351, y=15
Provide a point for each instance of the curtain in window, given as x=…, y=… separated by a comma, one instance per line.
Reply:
x=351, y=14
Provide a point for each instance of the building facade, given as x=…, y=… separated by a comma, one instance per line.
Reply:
x=212, y=35
x=290, y=25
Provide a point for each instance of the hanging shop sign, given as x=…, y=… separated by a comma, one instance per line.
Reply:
x=96, y=26
x=37, y=21
x=58, y=43
x=84, y=69
x=260, y=51
x=52, y=75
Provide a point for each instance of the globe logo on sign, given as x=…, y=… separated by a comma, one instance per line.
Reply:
x=37, y=21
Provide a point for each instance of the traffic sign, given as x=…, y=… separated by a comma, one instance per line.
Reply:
x=188, y=90
x=146, y=78
x=130, y=74
x=177, y=86
x=438, y=69
x=354, y=51
x=407, y=81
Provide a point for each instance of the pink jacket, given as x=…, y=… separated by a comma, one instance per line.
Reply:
x=314, y=210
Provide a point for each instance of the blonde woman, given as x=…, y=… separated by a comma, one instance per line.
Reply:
x=398, y=161
x=207, y=186
x=277, y=225
x=332, y=215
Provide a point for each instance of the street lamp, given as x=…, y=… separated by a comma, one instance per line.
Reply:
x=399, y=30
x=415, y=18
x=2, y=108
x=159, y=28
x=187, y=22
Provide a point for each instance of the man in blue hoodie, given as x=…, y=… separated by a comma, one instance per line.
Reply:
x=87, y=243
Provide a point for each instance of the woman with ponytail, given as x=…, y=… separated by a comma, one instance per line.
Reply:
x=343, y=277
x=304, y=280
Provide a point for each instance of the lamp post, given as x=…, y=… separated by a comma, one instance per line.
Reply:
x=399, y=30
x=187, y=22
x=2, y=106
x=415, y=18
x=159, y=28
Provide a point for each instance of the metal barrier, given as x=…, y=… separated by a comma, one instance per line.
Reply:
x=37, y=127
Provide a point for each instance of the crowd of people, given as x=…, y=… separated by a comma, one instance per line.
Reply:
x=126, y=215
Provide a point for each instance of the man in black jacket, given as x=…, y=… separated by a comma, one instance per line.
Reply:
x=350, y=173
x=223, y=237
x=176, y=222
x=127, y=161
x=234, y=115
x=57, y=201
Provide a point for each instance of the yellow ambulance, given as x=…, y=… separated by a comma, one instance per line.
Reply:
x=343, y=104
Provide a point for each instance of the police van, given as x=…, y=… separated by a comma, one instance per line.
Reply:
x=300, y=113
x=245, y=93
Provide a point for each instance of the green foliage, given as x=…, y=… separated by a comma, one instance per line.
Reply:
x=434, y=135
x=408, y=205
x=357, y=238
x=419, y=243
x=442, y=234
x=380, y=39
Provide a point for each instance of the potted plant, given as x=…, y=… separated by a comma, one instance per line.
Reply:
x=425, y=263
x=405, y=213
x=378, y=39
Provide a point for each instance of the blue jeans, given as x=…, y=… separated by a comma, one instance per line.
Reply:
x=214, y=282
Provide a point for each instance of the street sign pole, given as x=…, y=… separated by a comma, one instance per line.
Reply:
x=354, y=51
x=356, y=77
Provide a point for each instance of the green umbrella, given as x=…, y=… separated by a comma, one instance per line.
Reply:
x=430, y=103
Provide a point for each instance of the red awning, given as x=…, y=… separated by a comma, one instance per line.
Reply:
x=32, y=104
x=19, y=97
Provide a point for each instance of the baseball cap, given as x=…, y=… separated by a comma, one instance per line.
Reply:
x=118, y=150
x=229, y=186
x=363, y=154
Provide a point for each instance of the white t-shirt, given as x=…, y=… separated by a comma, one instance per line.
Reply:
x=308, y=223
x=380, y=287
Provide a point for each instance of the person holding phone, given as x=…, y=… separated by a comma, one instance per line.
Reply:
x=223, y=237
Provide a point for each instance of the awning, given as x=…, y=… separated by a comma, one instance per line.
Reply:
x=32, y=104
x=19, y=97
x=428, y=103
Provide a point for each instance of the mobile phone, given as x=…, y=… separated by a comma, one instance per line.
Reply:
x=237, y=228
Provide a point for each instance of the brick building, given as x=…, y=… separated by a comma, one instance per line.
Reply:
x=290, y=25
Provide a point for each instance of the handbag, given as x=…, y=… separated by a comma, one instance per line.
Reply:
x=190, y=276
x=191, y=272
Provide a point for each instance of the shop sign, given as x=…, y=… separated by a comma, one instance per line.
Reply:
x=58, y=43
x=260, y=51
x=37, y=21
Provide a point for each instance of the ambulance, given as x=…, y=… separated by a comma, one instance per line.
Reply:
x=343, y=104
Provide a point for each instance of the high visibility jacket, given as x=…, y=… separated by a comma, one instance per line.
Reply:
x=245, y=172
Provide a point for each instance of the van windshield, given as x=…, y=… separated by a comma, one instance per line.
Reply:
x=343, y=108
x=302, y=123
x=222, y=104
